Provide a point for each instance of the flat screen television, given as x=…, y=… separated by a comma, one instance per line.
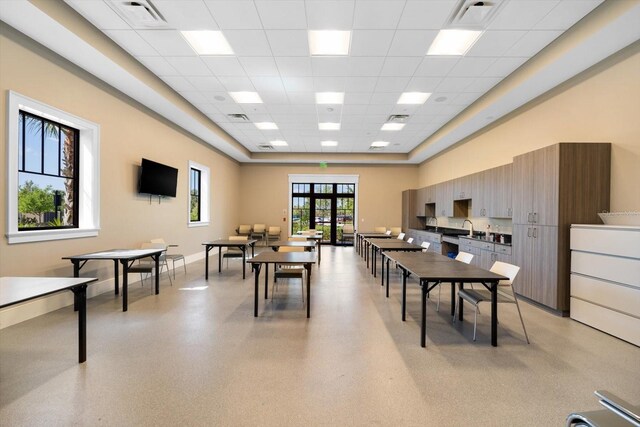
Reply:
x=158, y=179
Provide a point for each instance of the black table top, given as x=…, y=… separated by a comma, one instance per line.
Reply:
x=423, y=267
x=396, y=244
x=227, y=242
x=121, y=254
x=284, y=258
x=293, y=243
x=14, y=290
x=379, y=235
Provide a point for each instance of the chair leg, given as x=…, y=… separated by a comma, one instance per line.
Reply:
x=439, y=291
x=302, y=289
x=184, y=265
x=475, y=320
x=520, y=314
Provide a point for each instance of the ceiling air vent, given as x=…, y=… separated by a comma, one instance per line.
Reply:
x=473, y=14
x=266, y=147
x=374, y=148
x=238, y=118
x=139, y=14
x=398, y=118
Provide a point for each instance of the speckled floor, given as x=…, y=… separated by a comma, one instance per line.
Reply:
x=199, y=357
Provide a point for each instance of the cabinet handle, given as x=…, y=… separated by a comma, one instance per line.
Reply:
x=529, y=232
x=535, y=233
x=529, y=217
x=535, y=217
x=510, y=212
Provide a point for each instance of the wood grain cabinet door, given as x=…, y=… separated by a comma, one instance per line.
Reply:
x=544, y=280
x=522, y=253
x=522, y=189
x=545, y=181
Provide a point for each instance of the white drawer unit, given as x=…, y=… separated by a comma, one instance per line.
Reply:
x=605, y=279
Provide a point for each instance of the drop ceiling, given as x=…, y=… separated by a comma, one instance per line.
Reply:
x=387, y=57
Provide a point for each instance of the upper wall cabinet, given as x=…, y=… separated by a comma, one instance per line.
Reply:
x=421, y=200
x=444, y=199
x=535, y=183
x=492, y=192
x=463, y=187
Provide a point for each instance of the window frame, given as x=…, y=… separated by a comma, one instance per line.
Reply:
x=205, y=195
x=88, y=158
x=195, y=172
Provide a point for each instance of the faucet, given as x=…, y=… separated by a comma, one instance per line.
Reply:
x=470, y=227
x=435, y=219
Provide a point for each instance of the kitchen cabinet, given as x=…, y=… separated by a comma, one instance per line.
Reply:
x=463, y=188
x=444, y=199
x=434, y=239
x=430, y=194
x=485, y=253
x=409, y=219
x=501, y=193
x=482, y=193
x=553, y=187
x=421, y=200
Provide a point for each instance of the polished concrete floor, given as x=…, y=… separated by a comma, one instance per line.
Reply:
x=195, y=355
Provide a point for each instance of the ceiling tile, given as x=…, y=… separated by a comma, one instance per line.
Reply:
x=471, y=67
x=259, y=66
x=365, y=66
x=357, y=97
x=566, y=14
x=380, y=109
x=386, y=98
x=208, y=83
x=329, y=14
x=288, y=42
x=400, y=66
x=436, y=66
x=423, y=84
x=132, y=42
x=186, y=14
x=189, y=66
x=194, y=97
x=158, y=65
x=298, y=84
x=354, y=109
x=391, y=84
x=533, y=42
x=178, y=83
x=329, y=84
x=283, y=15
x=237, y=84
x=466, y=98
x=273, y=98
x=495, y=43
x=504, y=66
x=224, y=65
x=330, y=66
x=412, y=42
x=100, y=14
x=258, y=112
x=167, y=42
x=521, y=15
x=360, y=84
x=218, y=98
x=268, y=84
x=294, y=66
x=308, y=97
x=375, y=14
x=248, y=42
x=235, y=14
x=454, y=84
x=430, y=14
x=482, y=84
x=371, y=42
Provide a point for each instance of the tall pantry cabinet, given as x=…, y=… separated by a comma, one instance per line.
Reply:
x=554, y=187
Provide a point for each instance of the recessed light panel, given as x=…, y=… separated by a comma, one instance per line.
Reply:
x=392, y=126
x=246, y=97
x=413, y=98
x=329, y=143
x=379, y=143
x=329, y=42
x=329, y=97
x=329, y=126
x=278, y=143
x=208, y=42
x=453, y=42
x=266, y=125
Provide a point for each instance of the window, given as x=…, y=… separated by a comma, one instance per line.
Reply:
x=199, y=196
x=53, y=174
x=194, y=194
x=47, y=174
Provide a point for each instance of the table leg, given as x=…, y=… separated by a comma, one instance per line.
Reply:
x=494, y=314
x=460, y=304
x=220, y=260
x=404, y=294
x=387, y=276
x=116, y=275
x=206, y=262
x=157, y=260
x=244, y=260
x=125, y=284
x=308, y=267
x=319, y=252
x=382, y=267
x=256, y=269
x=76, y=273
x=423, y=320
x=80, y=294
x=453, y=299
x=266, y=280
x=253, y=249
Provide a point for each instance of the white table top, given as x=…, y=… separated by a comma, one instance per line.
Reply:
x=18, y=289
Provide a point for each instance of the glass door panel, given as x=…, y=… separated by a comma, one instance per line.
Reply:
x=323, y=218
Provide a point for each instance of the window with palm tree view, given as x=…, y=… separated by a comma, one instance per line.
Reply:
x=323, y=207
x=47, y=174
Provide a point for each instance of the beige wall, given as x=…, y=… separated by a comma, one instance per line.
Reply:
x=265, y=192
x=128, y=133
x=601, y=106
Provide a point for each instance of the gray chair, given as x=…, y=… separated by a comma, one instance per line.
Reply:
x=234, y=252
x=259, y=231
x=288, y=271
x=273, y=234
x=172, y=257
x=380, y=229
x=506, y=294
x=618, y=413
x=462, y=257
x=395, y=230
x=243, y=230
x=347, y=233
x=148, y=265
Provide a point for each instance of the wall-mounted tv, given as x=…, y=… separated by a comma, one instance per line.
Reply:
x=158, y=179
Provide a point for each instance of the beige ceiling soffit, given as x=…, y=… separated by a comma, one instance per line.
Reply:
x=61, y=29
x=609, y=28
x=307, y=158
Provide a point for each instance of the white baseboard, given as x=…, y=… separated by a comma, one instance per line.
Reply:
x=28, y=310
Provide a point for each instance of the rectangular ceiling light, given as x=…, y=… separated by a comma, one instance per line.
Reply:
x=413, y=98
x=329, y=97
x=278, y=143
x=329, y=42
x=392, y=126
x=208, y=42
x=329, y=126
x=329, y=143
x=379, y=143
x=266, y=125
x=453, y=42
x=246, y=97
